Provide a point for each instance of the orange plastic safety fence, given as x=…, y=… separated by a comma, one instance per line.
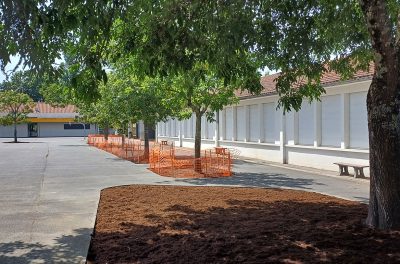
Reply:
x=166, y=160
x=129, y=149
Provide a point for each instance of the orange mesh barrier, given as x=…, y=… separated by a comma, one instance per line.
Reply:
x=166, y=160
x=129, y=149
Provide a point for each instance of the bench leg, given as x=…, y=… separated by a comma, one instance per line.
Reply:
x=359, y=173
x=343, y=170
x=356, y=173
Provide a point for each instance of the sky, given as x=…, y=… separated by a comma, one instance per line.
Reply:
x=14, y=61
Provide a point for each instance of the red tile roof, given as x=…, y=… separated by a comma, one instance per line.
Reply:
x=48, y=109
x=328, y=79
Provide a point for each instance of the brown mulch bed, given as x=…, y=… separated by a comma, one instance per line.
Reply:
x=167, y=224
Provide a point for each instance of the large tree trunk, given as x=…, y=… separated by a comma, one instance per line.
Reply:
x=384, y=141
x=383, y=104
x=197, y=142
x=106, y=131
x=130, y=133
x=15, y=132
x=146, y=140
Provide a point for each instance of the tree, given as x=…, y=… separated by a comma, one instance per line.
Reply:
x=25, y=82
x=302, y=39
x=147, y=101
x=202, y=93
x=199, y=46
x=39, y=31
x=16, y=107
x=108, y=110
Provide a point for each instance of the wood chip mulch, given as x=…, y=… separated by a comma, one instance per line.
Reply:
x=168, y=224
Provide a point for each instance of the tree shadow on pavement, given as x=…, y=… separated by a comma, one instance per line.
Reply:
x=23, y=142
x=265, y=180
x=66, y=249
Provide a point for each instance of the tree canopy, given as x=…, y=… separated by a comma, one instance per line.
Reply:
x=14, y=108
x=25, y=82
x=200, y=91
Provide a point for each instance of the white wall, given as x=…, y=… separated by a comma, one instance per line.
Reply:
x=229, y=123
x=306, y=124
x=254, y=123
x=330, y=121
x=211, y=130
x=269, y=122
x=290, y=128
x=323, y=158
x=47, y=130
x=241, y=123
x=188, y=123
x=203, y=127
x=57, y=130
x=320, y=134
x=8, y=131
x=358, y=120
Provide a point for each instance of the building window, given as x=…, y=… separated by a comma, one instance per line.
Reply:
x=76, y=126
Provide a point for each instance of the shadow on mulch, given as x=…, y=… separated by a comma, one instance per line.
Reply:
x=167, y=224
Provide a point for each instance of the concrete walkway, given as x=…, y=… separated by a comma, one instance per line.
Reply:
x=50, y=187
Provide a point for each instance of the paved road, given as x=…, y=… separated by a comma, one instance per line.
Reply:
x=49, y=191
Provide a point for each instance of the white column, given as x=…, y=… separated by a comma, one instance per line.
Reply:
x=295, y=128
x=180, y=133
x=247, y=123
x=345, y=115
x=166, y=128
x=141, y=130
x=282, y=139
x=156, y=132
x=223, y=125
x=317, y=123
x=261, y=120
x=216, y=135
x=191, y=127
x=175, y=127
x=185, y=129
x=234, y=123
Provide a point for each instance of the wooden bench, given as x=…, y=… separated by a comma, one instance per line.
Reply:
x=358, y=169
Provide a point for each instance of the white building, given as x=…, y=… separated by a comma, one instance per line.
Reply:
x=321, y=133
x=48, y=121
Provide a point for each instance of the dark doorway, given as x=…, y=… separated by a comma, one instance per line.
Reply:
x=32, y=130
x=152, y=133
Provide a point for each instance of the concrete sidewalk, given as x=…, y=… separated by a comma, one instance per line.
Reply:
x=49, y=191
